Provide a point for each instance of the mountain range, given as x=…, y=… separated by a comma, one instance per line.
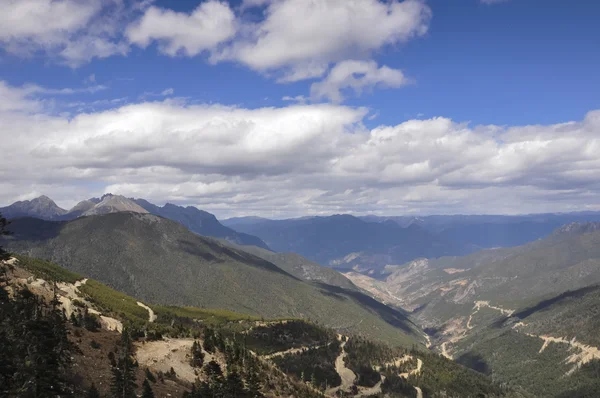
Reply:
x=422, y=282
x=488, y=231
x=198, y=221
x=370, y=243
x=160, y=261
x=347, y=242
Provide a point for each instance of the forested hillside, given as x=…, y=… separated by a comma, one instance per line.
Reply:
x=161, y=262
x=189, y=352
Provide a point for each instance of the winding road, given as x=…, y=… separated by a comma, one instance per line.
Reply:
x=151, y=315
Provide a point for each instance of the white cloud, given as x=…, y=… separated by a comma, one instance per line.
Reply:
x=34, y=89
x=73, y=31
x=300, y=99
x=296, y=39
x=357, y=76
x=295, y=160
x=211, y=23
x=164, y=93
x=16, y=99
x=299, y=39
x=90, y=79
x=31, y=97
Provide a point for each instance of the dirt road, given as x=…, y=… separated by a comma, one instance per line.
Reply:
x=151, y=315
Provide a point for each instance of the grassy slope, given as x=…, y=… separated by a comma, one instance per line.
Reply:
x=47, y=271
x=160, y=262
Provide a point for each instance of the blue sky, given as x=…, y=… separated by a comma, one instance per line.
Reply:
x=502, y=65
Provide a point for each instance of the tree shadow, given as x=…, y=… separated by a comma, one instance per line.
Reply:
x=33, y=229
x=542, y=305
x=390, y=315
x=475, y=362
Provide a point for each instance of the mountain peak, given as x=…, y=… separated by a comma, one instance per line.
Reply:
x=43, y=199
x=110, y=203
x=576, y=228
x=40, y=207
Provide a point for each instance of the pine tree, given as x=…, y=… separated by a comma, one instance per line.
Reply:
x=253, y=384
x=215, y=378
x=197, y=355
x=147, y=390
x=234, y=385
x=3, y=231
x=150, y=376
x=123, y=370
x=209, y=340
x=93, y=392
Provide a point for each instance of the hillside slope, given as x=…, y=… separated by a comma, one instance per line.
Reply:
x=161, y=262
x=181, y=346
x=499, y=311
x=302, y=268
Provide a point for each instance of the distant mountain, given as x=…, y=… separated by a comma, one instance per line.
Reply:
x=200, y=222
x=488, y=231
x=234, y=221
x=110, y=203
x=161, y=262
x=42, y=207
x=80, y=208
x=345, y=241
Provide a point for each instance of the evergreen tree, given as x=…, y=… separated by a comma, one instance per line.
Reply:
x=93, y=392
x=147, y=390
x=234, y=385
x=34, y=346
x=3, y=231
x=197, y=355
x=123, y=385
x=215, y=378
x=205, y=390
x=254, y=386
x=150, y=376
x=209, y=340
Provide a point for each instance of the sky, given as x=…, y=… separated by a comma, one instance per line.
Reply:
x=286, y=108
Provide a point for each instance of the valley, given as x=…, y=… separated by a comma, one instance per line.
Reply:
x=299, y=199
x=502, y=300
x=166, y=360
x=385, y=328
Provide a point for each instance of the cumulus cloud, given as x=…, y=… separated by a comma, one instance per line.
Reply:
x=358, y=76
x=16, y=99
x=294, y=40
x=295, y=160
x=288, y=40
x=299, y=39
x=73, y=31
x=211, y=23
